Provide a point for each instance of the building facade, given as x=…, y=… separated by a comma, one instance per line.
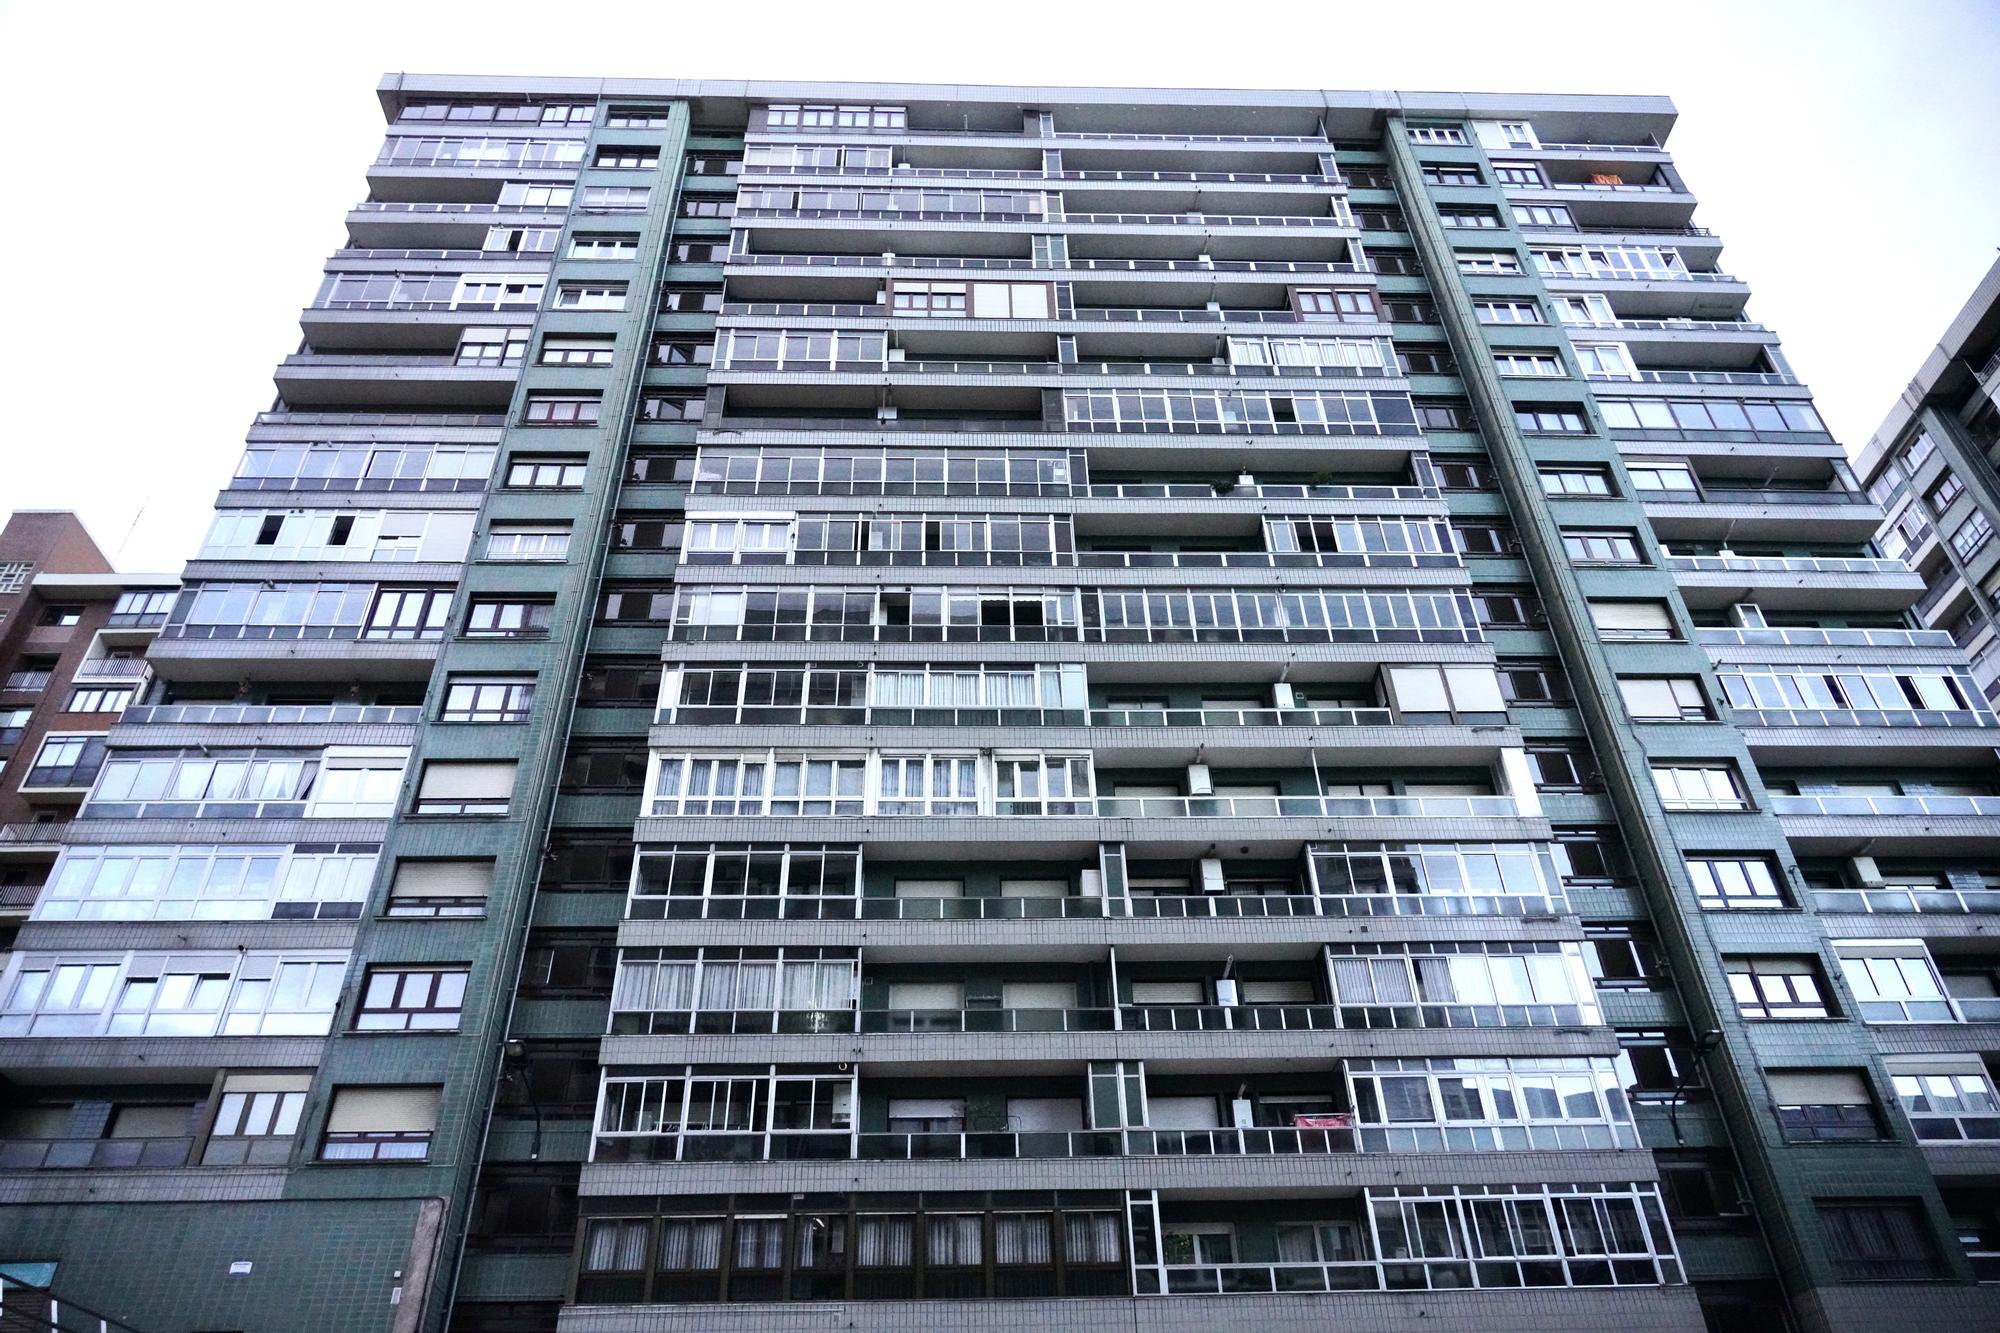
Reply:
x=1931, y=465
x=73, y=635
x=912, y=707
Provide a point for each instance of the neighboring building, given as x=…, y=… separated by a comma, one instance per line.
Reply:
x=911, y=707
x=73, y=635
x=1931, y=465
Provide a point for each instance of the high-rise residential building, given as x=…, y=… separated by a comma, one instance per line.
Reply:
x=920, y=707
x=1932, y=466
x=73, y=634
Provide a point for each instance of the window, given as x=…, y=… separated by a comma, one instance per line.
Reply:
x=1452, y=173
x=697, y=206
x=1469, y=219
x=14, y=575
x=699, y=252
x=1544, y=217
x=1560, y=482
x=1531, y=682
x=1972, y=534
x=1425, y=359
x=441, y=888
x=1356, y=304
x=1529, y=365
x=1823, y=1105
x=1604, y=361
x=102, y=699
x=505, y=618
x=1632, y=621
x=492, y=347
x=1623, y=958
x=520, y=240
x=1437, y=134
x=255, y=1119
x=398, y=614
x=1409, y=310
x=635, y=118
x=1488, y=262
x=1663, y=1064
x=656, y=406
x=65, y=761
x=1602, y=546
x=1684, y=415
x=1445, y=414
x=687, y=299
x=610, y=767
x=603, y=245
x=615, y=198
x=1734, y=881
x=356, y=783
x=376, y=1124
x=1664, y=698
x=13, y=721
x=546, y=472
x=1484, y=537
x=712, y=164
x=1507, y=312
x=575, y=964
x=1511, y=609
x=411, y=999
x=1695, y=786
x=465, y=787
x=1662, y=481
x=625, y=157
x=1550, y=419
x=527, y=541
x=1776, y=987
x=669, y=351
x=1380, y=217
x=1565, y=767
x=587, y=296
x=576, y=350
x=562, y=409
x=1471, y=692
x=1879, y=1240
x=487, y=698
x=1518, y=173
x=1894, y=983
x=1464, y=474
x=1943, y=491
x=1701, y=1187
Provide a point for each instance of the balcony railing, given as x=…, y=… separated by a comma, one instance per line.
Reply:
x=1808, y=636
x=903, y=173
x=650, y=907
x=1785, y=564
x=889, y=716
x=1235, y=906
x=1651, y=275
x=1082, y=559
x=374, y=206
x=273, y=715
x=115, y=668
x=988, y=1020
x=1907, y=898
x=1141, y=369
x=844, y=633
x=1713, y=495
x=92, y=1154
x=1103, y=807
x=1075, y=265
x=429, y=420
x=1861, y=717
x=1607, y=148
x=1671, y=325
x=44, y=833
x=1694, y=377
x=1287, y=1017
x=1831, y=804
x=1599, y=187
x=1160, y=490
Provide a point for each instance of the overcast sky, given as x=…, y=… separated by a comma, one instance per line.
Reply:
x=182, y=169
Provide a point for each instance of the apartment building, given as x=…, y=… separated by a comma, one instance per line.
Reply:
x=912, y=707
x=73, y=634
x=1931, y=466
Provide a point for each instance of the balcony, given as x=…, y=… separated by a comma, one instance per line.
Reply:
x=1103, y=807
x=273, y=715
x=1902, y=899
x=93, y=1154
x=116, y=668
x=876, y=261
x=1694, y=377
x=1807, y=636
x=1983, y=807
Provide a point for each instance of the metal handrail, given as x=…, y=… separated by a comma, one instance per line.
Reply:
x=1787, y=564
x=1835, y=804
x=1809, y=636
x=276, y=715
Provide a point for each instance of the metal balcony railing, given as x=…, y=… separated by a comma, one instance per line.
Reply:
x=1908, y=898
x=1785, y=564
x=1834, y=804
x=92, y=1154
x=1807, y=636
x=272, y=715
x=1862, y=717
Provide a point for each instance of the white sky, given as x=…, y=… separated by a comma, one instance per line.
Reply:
x=180, y=170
